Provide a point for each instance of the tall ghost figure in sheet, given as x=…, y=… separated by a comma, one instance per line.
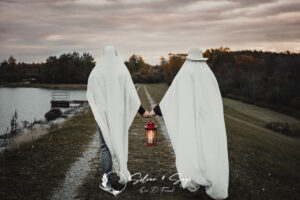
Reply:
x=114, y=103
x=193, y=113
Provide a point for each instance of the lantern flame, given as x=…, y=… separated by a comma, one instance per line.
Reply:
x=150, y=136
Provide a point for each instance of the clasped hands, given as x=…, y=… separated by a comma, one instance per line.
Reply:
x=149, y=114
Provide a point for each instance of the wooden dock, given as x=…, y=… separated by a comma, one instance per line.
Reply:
x=61, y=99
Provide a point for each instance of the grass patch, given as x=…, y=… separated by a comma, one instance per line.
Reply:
x=258, y=114
x=237, y=114
x=262, y=166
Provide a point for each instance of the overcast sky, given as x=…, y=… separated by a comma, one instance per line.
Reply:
x=32, y=30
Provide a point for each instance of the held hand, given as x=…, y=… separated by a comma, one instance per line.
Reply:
x=152, y=113
x=146, y=114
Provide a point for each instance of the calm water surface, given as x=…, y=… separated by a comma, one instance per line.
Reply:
x=29, y=103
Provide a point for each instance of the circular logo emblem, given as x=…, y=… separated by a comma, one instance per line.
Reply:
x=114, y=191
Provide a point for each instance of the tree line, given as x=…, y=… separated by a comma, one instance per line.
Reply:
x=72, y=68
x=268, y=79
x=67, y=68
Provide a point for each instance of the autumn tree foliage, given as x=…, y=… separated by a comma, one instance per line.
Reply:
x=171, y=67
x=142, y=72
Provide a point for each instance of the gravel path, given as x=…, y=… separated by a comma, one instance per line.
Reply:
x=76, y=174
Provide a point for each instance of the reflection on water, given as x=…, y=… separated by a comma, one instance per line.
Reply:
x=29, y=103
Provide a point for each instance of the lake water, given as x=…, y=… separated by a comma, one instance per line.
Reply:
x=29, y=103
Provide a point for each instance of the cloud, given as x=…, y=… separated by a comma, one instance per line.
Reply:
x=32, y=30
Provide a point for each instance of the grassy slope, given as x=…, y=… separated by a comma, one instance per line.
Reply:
x=258, y=115
x=32, y=172
x=262, y=165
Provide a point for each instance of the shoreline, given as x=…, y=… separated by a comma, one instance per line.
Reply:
x=39, y=128
x=45, y=86
x=42, y=164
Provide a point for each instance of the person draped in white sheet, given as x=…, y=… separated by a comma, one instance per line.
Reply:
x=192, y=109
x=114, y=102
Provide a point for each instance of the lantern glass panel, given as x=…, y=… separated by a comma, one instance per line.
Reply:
x=151, y=139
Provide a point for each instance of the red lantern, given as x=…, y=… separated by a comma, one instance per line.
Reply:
x=151, y=137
